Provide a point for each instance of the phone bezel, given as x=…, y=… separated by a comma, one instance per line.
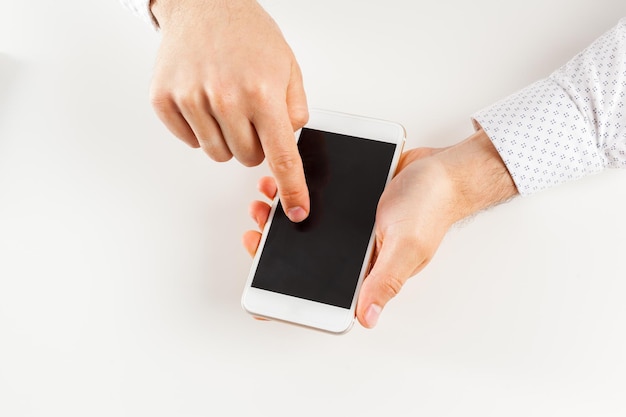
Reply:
x=294, y=310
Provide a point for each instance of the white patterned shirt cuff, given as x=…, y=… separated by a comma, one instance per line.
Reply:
x=568, y=125
x=141, y=9
x=541, y=137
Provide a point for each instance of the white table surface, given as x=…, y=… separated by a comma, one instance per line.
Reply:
x=121, y=266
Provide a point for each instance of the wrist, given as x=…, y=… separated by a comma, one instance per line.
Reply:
x=160, y=10
x=478, y=175
x=166, y=11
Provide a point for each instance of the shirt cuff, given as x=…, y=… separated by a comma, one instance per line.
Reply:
x=141, y=9
x=542, y=137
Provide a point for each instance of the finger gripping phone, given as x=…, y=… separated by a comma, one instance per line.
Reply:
x=309, y=273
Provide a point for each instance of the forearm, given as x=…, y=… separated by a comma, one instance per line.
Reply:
x=568, y=125
x=478, y=175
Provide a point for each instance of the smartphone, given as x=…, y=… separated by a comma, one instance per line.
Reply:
x=309, y=273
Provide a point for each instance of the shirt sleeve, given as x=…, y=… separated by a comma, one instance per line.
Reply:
x=141, y=9
x=566, y=126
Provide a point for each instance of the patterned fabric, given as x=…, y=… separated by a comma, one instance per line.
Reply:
x=141, y=8
x=566, y=126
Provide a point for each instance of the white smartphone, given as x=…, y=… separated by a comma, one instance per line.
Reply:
x=309, y=273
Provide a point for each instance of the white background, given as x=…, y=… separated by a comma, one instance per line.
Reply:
x=121, y=267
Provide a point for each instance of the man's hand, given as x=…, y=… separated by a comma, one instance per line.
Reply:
x=226, y=80
x=433, y=189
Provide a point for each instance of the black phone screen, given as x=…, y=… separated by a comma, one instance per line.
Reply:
x=320, y=259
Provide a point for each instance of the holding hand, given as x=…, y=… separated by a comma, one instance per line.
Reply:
x=433, y=189
x=226, y=80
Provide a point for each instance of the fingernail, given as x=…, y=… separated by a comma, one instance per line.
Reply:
x=372, y=314
x=296, y=214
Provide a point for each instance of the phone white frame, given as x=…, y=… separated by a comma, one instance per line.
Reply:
x=276, y=306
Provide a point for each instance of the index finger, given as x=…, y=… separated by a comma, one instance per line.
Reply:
x=279, y=145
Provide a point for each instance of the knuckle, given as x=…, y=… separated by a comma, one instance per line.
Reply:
x=299, y=117
x=251, y=159
x=220, y=157
x=191, y=100
x=410, y=240
x=264, y=100
x=216, y=153
x=223, y=103
x=391, y=285
x=408, y=236
x=247, y=149
x=283, y=163
x=223, y=96
x=161, y=100
x=293, y=194
x=259, y=93
x=422, y=249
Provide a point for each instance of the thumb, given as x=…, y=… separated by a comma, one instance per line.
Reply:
x=396, y=262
